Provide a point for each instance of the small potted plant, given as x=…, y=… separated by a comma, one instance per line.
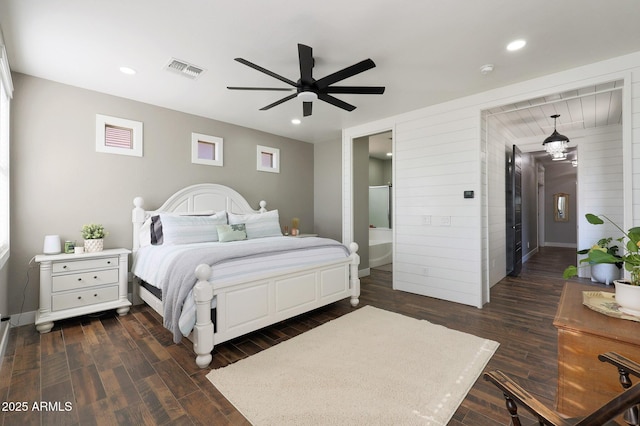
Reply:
x=93, y=235
x=602, y=270
x=628, y=290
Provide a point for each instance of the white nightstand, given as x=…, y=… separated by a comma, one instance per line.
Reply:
x=79, y=284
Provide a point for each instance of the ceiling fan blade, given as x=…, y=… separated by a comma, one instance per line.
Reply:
x=285, y=99
x=306, y=108
x=305, y=56
x=280, y=89
x=266, y=71
x=356, y=90
x=336, y=102
x=345, y=73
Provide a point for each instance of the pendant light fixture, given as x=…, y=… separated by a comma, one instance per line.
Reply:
x=556, y=143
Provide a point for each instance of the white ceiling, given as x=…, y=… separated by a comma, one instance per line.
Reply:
x=426, y=52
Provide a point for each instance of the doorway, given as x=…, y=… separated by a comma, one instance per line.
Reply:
x=592, y=119
x=381, y=201
x=372, y=166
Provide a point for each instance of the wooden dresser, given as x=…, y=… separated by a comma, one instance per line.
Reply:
x=584, y=383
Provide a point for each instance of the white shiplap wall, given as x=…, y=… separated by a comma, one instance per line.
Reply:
x=438, y=154
x=438, y=232
x=600, y=185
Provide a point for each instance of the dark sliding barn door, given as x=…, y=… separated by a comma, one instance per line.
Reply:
x=514, y=211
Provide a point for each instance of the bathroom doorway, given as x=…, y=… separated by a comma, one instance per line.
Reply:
x=381, y=201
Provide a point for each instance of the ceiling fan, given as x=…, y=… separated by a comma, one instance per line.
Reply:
x=309, y=89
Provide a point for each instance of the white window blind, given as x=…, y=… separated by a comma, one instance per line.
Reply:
x=118, y=137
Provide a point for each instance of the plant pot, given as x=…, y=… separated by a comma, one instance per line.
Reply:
x=605, y=273
x=92, y=246
x=628, y=297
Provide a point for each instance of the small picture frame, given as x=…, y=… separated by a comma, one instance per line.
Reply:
x=207, y=150
x=118, y=136
x=268, y=159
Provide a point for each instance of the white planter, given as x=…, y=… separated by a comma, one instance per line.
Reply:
x=92, y=246
x=605, y=273
x=628, y=297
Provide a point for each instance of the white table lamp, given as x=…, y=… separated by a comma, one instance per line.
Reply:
x=52, y=244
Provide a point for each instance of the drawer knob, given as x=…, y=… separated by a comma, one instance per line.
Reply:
x=95, y=277
x=108, y=262
x=79, y=297
x=64, y=267
x=95, y=295
x=79, y=279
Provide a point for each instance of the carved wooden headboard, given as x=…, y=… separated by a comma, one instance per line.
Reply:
x=195, y=198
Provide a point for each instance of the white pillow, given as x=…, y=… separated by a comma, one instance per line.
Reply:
x=145, y=233
x=258, y=225
x=174, y=229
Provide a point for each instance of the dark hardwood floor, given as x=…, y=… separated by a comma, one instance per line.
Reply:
x=127, y=370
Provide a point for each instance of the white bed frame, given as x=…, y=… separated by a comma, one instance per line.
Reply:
x=246, y=306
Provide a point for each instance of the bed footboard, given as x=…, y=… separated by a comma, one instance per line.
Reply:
x=248, y=306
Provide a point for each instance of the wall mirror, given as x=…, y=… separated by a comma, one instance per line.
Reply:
x=561, y=206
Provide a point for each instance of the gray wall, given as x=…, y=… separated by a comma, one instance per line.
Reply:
x=560, y=177
x=379, y=171
x=328, y=189
x=59, y=182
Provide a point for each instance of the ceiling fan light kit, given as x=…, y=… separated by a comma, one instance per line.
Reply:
x=307, y=96
x=308, y=89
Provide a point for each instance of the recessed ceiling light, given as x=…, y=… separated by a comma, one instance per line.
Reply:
x=295, y=121
x=516, y=45
x=389, y=154
x=127, y=70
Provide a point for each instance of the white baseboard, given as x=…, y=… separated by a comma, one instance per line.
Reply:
x=566, y=245
x=528, y=255
x=364, y=272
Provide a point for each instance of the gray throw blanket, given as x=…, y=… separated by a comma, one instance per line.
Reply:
x=181, y=277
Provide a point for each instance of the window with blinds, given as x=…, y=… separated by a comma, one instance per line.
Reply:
x=118, y=136
x=206, y=149
x=268, y=159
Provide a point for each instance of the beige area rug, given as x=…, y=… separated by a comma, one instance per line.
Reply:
x=367, y=367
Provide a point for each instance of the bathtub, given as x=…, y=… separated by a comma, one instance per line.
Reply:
x=380, y=247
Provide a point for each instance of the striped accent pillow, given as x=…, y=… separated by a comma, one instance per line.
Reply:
x=258, y=225
x=171, y=230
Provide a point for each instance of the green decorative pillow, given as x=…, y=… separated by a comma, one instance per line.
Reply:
x=235, y=232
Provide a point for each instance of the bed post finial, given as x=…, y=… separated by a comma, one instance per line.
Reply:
x=263, y=206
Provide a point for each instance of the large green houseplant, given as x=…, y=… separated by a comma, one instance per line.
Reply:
x=630, y=257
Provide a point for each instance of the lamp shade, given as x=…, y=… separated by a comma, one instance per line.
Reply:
x=52, y=244
x=555, y=143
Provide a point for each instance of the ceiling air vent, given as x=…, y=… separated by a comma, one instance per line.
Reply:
x=184, y=68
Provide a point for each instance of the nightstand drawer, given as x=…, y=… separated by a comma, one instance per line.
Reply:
x=82, y=265
x=83, y=280
x=82, y=298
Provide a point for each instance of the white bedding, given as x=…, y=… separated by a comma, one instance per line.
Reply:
x=153, y=264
